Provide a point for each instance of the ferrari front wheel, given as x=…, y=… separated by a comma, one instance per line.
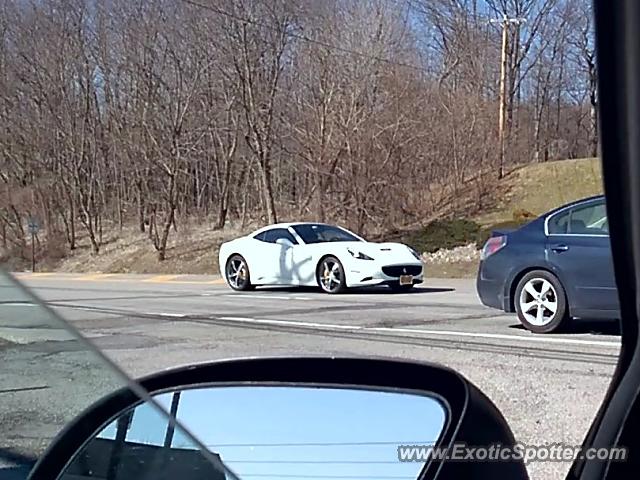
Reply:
x=330, y=275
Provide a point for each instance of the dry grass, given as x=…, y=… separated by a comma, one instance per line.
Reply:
x=464, y=269
x=193, y=250
x=541, y=187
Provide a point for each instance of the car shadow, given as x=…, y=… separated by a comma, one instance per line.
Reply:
x=287, y=289
x=377, y=290
x=594, y=327
x=384, y=290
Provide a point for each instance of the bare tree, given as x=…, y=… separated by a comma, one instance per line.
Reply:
x=373, y=113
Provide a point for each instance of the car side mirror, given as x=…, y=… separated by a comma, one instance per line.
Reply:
x=284, y=418
x=284, y=242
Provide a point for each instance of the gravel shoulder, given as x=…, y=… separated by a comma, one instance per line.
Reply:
x=459, y=262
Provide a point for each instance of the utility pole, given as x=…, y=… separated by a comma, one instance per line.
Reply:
x=34, y=227
x=502, y=113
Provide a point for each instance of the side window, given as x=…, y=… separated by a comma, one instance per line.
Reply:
x=274, y=234
x=589, y=220
x=260, y=236
x=558, y=223
x=582, y=220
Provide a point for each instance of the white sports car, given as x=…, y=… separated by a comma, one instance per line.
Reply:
x=316, y=254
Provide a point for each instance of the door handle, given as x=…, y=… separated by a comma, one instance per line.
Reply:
x=560, y=248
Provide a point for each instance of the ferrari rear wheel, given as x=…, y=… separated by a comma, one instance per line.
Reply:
x=237, y=273
x=330, y=275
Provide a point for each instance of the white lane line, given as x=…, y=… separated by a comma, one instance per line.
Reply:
x=451, y=333
x=290, y=323
x=18, y=304
x=500, y=336
x=166, y=314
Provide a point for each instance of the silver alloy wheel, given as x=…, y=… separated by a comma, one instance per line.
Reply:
x=330, y=275
x=538, y=301
x=237, y=272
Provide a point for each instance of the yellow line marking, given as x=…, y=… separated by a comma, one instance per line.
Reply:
x=218, y=281
x=95, y=277
x=32, y=274
x=160, y=278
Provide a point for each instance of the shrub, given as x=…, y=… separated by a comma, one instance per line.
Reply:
x=452, y=233
x=442, y=234
x=55, y=248
x=521, y=215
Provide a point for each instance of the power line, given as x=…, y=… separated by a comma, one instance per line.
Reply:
x=314, y=462
x=302, y=37
x=277, y=475
x=317, y=444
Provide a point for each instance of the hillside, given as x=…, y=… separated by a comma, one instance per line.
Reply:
x=541, y=187
x=530, y=189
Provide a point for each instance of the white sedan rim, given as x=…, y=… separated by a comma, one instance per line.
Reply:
x=538, y=302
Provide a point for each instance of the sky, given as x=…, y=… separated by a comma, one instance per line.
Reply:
x=276, y=432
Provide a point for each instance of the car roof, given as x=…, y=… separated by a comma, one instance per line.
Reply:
x=287, y=225
x=574, y=203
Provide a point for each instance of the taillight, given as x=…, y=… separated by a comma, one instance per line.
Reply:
x=493, y=245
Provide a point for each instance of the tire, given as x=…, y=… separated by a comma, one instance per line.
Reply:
x=330, y=275
x=397, y=288
x=237, y=273
x=541, y=302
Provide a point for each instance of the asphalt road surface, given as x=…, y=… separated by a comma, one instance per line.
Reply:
x=547, y=386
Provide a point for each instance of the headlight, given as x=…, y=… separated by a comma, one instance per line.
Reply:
x=414, y=253
x=359, y=255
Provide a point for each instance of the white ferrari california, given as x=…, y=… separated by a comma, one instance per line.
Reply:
x=316, y=254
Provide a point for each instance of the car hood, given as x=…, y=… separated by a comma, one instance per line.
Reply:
x=385, y=251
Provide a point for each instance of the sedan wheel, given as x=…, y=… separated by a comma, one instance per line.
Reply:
x=331, y=275
x=237, y=273
x=540, y=302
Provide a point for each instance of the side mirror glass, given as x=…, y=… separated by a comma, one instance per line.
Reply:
x=271, y=432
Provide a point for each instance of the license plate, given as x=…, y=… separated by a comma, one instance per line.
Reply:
x=406, y=279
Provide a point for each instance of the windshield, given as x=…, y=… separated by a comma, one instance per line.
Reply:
x=50, y=374
x=318, y=233
x=142, y=141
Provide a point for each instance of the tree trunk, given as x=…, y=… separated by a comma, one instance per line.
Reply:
x=268, y=193
x=594, y=130
x=4, y=236
x=320, y=195
x=162, y=247
x=140, y=206
x=593, y=113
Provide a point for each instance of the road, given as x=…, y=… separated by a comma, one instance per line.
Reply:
x=547, y=386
